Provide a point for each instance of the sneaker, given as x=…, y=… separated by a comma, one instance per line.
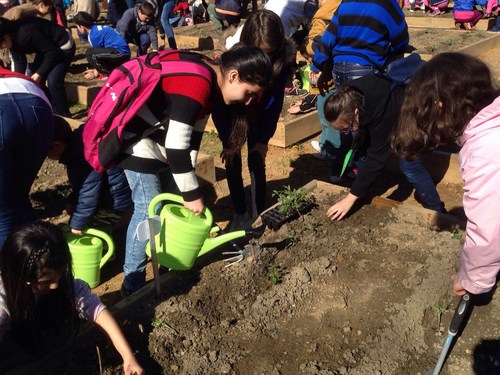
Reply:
x=316, y=146
x=435, y=12
x=240, y=222
x=468, y=26
x=324, y=155
x=293, y=91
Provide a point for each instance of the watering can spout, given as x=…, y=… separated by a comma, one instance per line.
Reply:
x=212, y=243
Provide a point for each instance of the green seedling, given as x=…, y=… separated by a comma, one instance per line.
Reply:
x=456, y=236
x=158, y=323
x=291, y=199
x=274, y=272
x=439, y=311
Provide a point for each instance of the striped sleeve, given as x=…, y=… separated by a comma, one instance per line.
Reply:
x=188, y=98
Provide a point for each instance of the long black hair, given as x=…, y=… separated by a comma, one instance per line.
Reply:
x=254, y=67
x=27, y=252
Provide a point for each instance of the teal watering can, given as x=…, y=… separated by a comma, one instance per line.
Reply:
x=87, y=254
x=184, y=236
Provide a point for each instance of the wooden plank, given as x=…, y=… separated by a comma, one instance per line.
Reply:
x=82, y=94
x=430, y=217
x=482, y=46
x=300, y=128
x=289, y=133
x=426, y=22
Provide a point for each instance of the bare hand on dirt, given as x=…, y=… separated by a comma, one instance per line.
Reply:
x=131, y=367
x=341, y=208
x=196, y=206
x=91, y=74
x=458, y=289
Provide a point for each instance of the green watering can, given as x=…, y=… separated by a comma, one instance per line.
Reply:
x=86, y=254
x=183, y=236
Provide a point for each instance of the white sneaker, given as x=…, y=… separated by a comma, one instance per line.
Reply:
x=240, y=222
x=316, y=146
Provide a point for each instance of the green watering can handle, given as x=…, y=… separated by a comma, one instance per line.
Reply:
x=177, y=199
x=107, y=239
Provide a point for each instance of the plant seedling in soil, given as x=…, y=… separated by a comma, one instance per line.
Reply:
x=274, y=271
x=158, y=323
x=291, y=199
x=439, y=310
x=293, y=203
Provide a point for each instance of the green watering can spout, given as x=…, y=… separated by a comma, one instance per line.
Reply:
x=212, y=242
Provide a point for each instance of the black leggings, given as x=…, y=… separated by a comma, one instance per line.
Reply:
x=105, y=59
x=257, y=168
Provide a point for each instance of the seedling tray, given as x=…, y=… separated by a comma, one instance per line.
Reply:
x=274, y=219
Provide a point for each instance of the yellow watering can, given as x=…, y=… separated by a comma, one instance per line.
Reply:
x=87, y=254
x=183, y=236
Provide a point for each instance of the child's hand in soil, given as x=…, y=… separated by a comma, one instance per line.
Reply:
x=341, y=208
x=91, y=74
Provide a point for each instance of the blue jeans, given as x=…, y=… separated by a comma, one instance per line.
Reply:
x=26, y=130
x=421, y=180
x=344, y=72
x=165, y=22
x=330, y=137
x=142, y=41
x=144, y=188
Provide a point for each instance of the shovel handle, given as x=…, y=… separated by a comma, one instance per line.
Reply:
x=458, y=317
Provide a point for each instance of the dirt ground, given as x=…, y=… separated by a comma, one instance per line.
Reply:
x=367, y=295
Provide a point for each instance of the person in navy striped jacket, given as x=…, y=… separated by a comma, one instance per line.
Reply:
x=362, y=36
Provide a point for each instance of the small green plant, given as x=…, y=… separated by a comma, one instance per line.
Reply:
x=274, y=272
x=158, y=323
x=291, y=199
x=451, y=42
x=456, y=236
x=289, y=241
x=439, y=310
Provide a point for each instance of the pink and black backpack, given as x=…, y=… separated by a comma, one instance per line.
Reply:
x=127, y=88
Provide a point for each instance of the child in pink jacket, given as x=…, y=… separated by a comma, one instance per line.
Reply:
x=462, y=103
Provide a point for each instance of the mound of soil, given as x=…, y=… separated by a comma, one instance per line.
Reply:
x=367, y=295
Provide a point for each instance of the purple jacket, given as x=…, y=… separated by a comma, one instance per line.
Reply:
x=480, y=169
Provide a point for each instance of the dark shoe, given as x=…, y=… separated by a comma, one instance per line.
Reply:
x=124, y=292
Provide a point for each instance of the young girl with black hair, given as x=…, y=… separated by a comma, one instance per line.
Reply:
x=453, y=97
x=262, y=29
x=370, y=107
x=41, y=303
x=165, y=161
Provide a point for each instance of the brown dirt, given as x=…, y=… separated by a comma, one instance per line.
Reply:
x=361, y=296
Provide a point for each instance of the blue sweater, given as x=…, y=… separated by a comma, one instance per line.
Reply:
x=107, y=37
x=468, y=4
x=364, y=32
